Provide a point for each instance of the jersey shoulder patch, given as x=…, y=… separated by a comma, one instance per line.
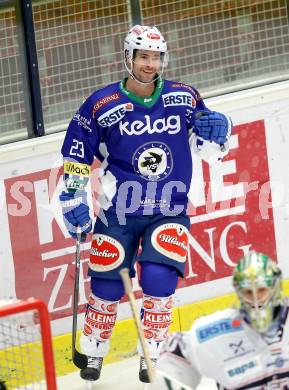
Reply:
x=104, y=99
x=176, y=93
x=109, y=106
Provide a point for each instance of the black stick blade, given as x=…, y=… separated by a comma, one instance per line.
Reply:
x=79, y=359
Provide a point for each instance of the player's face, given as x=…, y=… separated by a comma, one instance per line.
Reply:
x=258, y=295
x=146, y=64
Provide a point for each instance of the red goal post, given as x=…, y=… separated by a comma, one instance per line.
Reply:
x=26, y=352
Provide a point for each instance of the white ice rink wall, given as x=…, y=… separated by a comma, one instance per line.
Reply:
x=240, y=203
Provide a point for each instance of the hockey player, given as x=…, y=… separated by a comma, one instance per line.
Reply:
x=148, y=126
x=240, y=348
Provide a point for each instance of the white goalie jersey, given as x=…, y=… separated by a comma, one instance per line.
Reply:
x=223, y=347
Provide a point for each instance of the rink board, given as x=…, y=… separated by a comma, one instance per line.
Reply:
x=241, y=203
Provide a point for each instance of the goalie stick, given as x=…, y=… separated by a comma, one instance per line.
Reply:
x=79, y=359
x=126, y=281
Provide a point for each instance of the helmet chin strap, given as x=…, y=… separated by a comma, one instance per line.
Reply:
x=143, y=82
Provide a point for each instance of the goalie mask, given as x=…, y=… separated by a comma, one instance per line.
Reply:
x=257, y=280
x=144, y=38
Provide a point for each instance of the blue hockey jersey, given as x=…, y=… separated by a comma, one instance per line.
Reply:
x=147, y=164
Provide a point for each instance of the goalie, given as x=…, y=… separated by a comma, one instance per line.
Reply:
x=245, y=348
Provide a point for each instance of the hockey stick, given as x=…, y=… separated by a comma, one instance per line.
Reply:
x=79, y=359
x=126, y=281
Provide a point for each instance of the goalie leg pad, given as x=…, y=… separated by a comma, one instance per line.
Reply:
x=156, y=316
x=99, y=322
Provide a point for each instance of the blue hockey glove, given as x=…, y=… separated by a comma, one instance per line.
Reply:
x=76, y=213
x=213, y=126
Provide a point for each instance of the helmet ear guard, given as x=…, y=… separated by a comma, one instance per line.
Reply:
x=127, y=58
x=165, y=59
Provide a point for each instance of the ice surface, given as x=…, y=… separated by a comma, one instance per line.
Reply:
x=116, y=376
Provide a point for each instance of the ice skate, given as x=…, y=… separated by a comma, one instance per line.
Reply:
x=93, y=369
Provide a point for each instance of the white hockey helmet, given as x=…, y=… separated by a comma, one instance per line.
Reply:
x=144, y=38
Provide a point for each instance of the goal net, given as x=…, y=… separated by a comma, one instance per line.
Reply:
x=26, y=354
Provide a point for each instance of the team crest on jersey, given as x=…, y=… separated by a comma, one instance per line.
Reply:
x=106, y=253
x=171, y=240
x=153, y=161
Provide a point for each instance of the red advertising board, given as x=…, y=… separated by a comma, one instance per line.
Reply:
x=243, y=218
x=236, y=214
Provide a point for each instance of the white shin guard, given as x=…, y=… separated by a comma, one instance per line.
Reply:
x=156, y=315
x=99, y=321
